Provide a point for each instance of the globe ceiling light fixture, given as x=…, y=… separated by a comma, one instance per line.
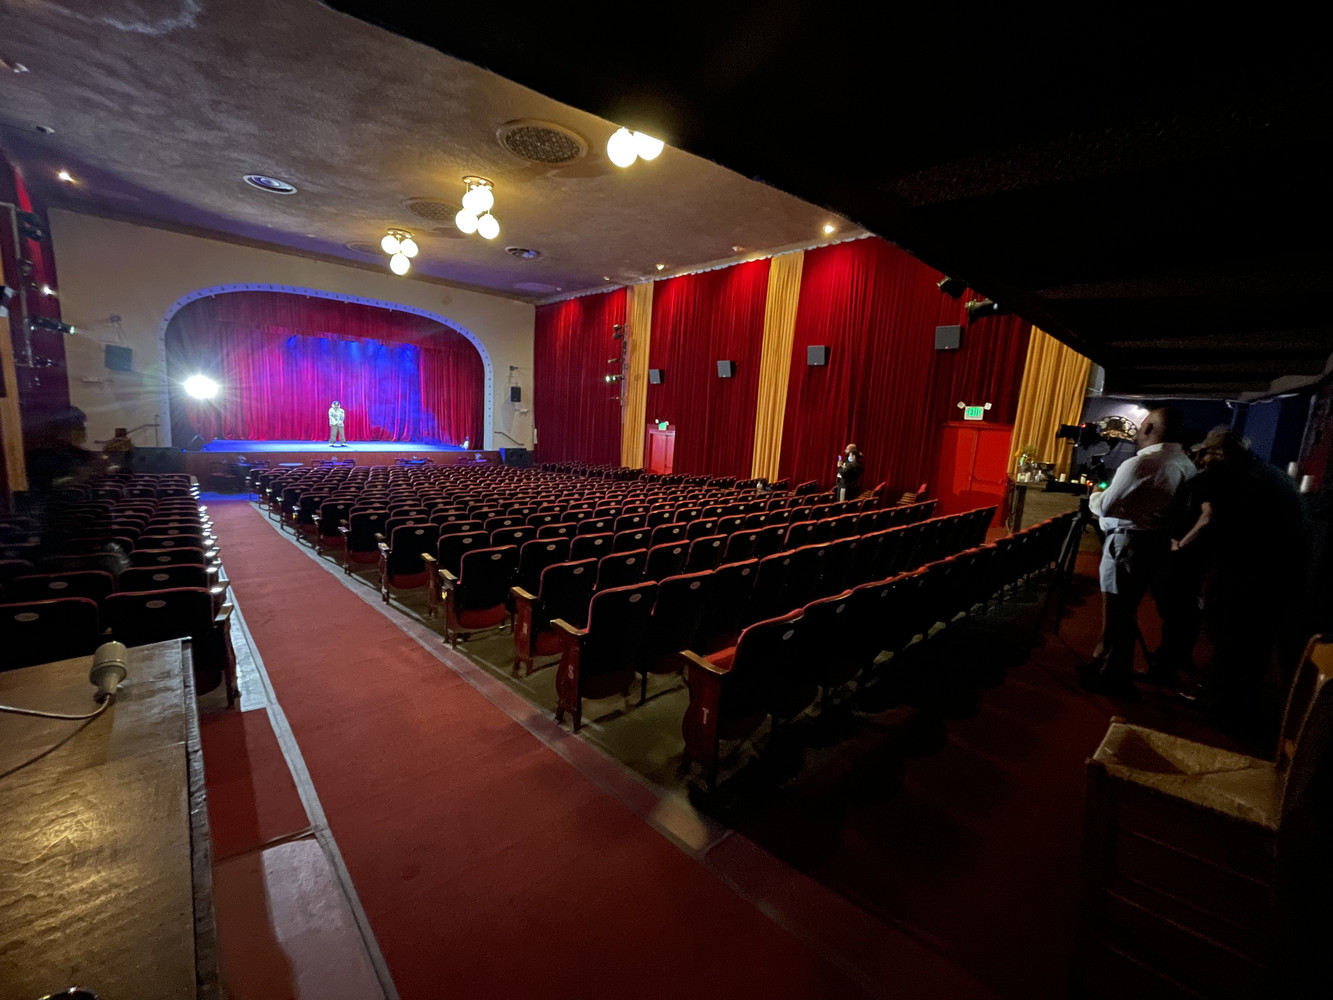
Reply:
x=401, y=248
x=475, y=215
x=624, y=147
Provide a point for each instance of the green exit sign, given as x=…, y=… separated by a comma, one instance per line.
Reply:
x=974, y=412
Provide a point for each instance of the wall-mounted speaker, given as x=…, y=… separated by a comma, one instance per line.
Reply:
x=948, y=338
x=518, y=458
x=515, y=394
x=119, y=359
x=654, y=376
x=816, y=354
x=726, y=369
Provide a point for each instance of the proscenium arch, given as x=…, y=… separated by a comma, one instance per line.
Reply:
x=203, y=293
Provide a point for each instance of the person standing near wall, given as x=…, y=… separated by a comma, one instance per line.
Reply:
x=850, y=468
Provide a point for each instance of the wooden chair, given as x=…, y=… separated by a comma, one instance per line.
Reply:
x=1200, y=863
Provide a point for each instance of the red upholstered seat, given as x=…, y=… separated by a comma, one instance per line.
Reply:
x=602, y=659
x=565, y=591
x=476, y=598
x=33, y=632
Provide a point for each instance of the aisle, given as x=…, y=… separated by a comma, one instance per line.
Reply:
x=482, y=858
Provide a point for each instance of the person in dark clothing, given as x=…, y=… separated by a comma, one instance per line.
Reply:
x=1251, y=522
x=850, y=468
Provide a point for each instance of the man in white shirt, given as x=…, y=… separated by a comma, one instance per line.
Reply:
x=337, y=416
x=1134, y=513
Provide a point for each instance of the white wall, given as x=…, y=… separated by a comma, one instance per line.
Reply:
x=107, y=268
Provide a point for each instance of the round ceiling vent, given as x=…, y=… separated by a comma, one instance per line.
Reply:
x=432, y=209
x=541, y=142
x=523, y=253
x=369, y=249
x=272, y=185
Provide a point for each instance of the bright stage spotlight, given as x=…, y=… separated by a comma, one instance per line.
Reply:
x=201, y=387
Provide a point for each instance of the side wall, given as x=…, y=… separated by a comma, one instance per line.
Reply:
x=137, y=273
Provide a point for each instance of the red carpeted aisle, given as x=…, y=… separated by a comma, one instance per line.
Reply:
x=483, y=861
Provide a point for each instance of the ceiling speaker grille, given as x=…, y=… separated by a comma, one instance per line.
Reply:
x=541, y=142
x=432, y=209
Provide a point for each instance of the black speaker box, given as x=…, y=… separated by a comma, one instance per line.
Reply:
x=119, y=359
x=654, y=376
x=816, y=354
x=948, y=338
x=158, y=460
x=515, y=394
x=516, y=457
x=726, y=369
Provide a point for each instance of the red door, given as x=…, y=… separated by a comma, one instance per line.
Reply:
x=972, y=466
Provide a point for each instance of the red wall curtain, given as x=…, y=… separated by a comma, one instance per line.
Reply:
x=576, y=418
x=282, y=358
x=698, y=320
x=876, y=308
x=988, y=368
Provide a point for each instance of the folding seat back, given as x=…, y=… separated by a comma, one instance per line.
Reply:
x=731, y=524
x=635, y=538
x=402, y=564
x=596, y=525
x=153, y=541
x=396, y=521
x=845, y=525
x=705, y=553
x=833, y=644
x=566, y=589
x=541, y=518
x=769, y=540
x=821, y=532
x=803, y=573
x=33, y=632
x=687, y=514
x=656, y=518
x=666, y=560
x=92, y=584
x=798, y=533
x=164, y=577
x=733, y=691
x=678, y=615
x=591, y=546
x=865, y=556
x=534, y=557
x=669, y=532
x=515, y=536
x=740, y=546
x=601, y=659
x=630, y=522
x=468, y=527
x=492, y=524
x=621, y=569
x=835, y=565
x=138, y=618
x=169, y=557
x=476, y=598
x=562, y=529
x=445, y=515
x=770, y=588
x=910, y=550
x=701, y=526
x=332, y=515
x=10, y=568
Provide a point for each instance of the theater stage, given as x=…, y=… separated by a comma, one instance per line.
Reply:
x=205, y=461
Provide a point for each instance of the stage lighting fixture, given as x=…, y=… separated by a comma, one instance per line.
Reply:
x=47, y=323
x=201, y=387
x=952, y=287
x=31, y=227
x=981, y=307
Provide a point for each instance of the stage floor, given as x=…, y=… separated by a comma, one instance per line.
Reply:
x=264, y=447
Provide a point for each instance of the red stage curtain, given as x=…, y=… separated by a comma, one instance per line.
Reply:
x=876, y=308
x=282, y=358
x=576, y=417
x=698, y=320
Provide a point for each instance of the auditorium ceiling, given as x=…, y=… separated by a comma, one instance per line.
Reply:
x=1150, y=188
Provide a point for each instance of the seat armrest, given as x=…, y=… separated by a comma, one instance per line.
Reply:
x=694, y=660
x=428, y=559
x=383, y=546
x=344, y=529
x=522, y=594
x=568, y=629
x=379, y=537
x=223, y=617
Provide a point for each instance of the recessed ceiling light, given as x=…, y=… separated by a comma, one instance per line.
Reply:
x=738, y=249
x=661, y=267
x=66, y=176
x=270, y=184
x=829, y=228
x=523, y=253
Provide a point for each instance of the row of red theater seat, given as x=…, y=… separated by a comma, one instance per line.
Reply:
x=66, y=603
x=778, y=667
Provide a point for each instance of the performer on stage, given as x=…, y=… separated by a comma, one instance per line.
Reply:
x=337, y=416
